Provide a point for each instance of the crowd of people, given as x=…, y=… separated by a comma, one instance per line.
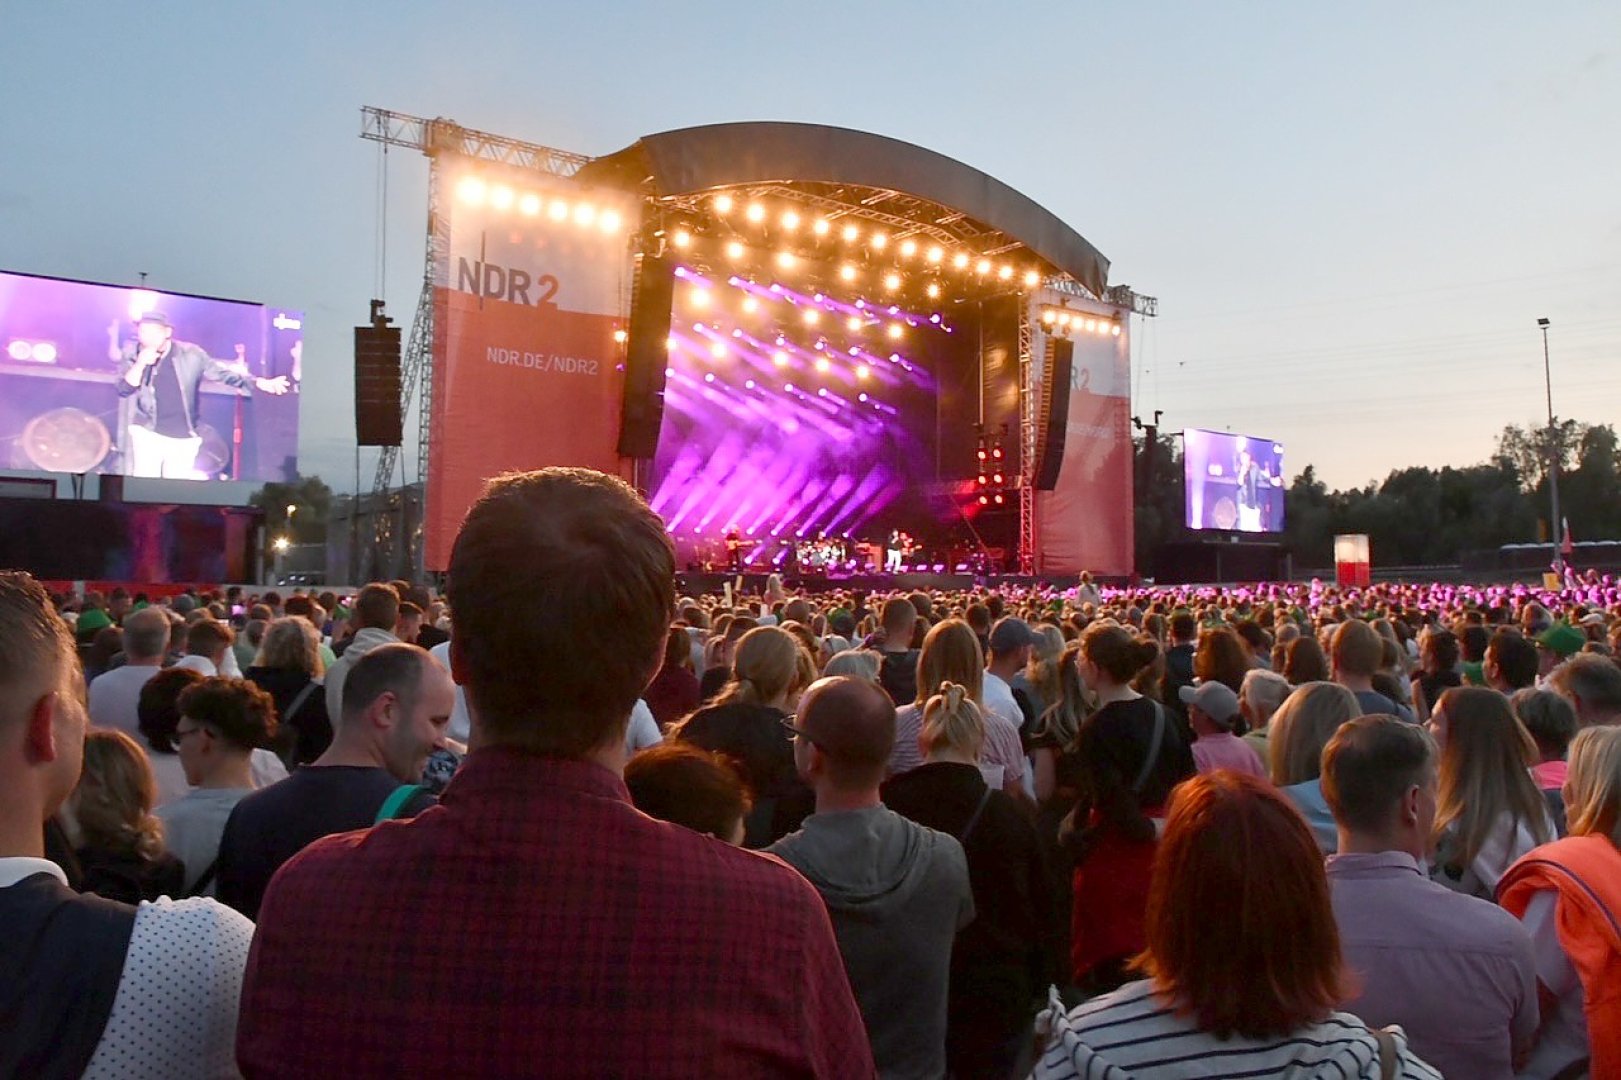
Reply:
x=562, y=820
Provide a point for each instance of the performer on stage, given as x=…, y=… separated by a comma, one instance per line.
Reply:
x=164, y=376
x=1250, y=479
x=734, y=549
x=900, y=546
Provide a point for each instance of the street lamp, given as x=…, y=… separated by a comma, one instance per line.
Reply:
x=1556, y=528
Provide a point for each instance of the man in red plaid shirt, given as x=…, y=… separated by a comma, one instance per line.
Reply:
x=534, y=923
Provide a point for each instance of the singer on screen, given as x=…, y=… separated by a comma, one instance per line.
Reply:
x=164, y=376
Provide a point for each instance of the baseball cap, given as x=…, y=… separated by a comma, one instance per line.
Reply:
x=1562, y=638
x=1216, y=700
x=155, y=317
x=1011, y=633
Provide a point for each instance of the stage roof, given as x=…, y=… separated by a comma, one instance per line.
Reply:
x=862, y=173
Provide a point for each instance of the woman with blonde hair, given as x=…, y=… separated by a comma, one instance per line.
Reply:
x=1568, y=894
x=1039, y=681
x=770, y=670
x=289, y=669
x=1000, y=960
x=117, y=837
x=1488, y=811
x=1299, y=730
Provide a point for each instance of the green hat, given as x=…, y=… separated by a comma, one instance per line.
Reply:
x=92, y=620
x=1562, y=638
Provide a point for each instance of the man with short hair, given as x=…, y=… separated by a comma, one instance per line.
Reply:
x=377, y=611
x=114, y=694
x=1555, y=645
x=898, y=892
x=1011, y=643
x=1591, y=683
x=897, y=666
x=1356, y=654
x=1457, y=973
x=534, y=916
x=1179, y=657
x=1510, y=664
x=1259, y=696
x=89, y=987
x=397, y=704
x=409, y=624
x=1213, y=713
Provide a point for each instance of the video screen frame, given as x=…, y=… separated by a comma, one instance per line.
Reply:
x=1233, y=482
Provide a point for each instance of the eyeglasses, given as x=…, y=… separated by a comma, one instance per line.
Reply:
x=181, y=733
x=794, y=732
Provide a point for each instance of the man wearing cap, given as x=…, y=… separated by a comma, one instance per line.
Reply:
x=1011, y=642
x=1557, y=644
x=1213, y=713
x=897, y=892
x=163, y=377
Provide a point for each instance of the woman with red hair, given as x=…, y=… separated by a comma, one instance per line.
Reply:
x=1243, y=967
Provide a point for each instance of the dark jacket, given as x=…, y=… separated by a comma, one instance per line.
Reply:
x=128, y=878
x=311, y=724
x=753, y=737
x=192, y=365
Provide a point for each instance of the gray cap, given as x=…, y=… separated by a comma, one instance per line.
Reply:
x=1216, y=700
x=1011, y=633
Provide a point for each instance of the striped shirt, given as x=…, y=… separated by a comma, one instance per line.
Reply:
x=1133, y=1032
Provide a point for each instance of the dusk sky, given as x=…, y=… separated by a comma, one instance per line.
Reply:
x=1352, y=214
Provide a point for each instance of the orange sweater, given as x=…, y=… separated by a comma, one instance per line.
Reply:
x=1585, y=872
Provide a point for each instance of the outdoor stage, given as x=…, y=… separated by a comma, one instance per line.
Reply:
x=694, y=584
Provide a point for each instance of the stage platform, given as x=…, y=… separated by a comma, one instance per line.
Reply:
x=700, y=583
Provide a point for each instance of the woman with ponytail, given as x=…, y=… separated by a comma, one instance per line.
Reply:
x=1003, y=958
x=769, y=672
x=1131, y=755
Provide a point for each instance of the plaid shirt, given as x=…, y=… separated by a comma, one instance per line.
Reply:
x=535, y=923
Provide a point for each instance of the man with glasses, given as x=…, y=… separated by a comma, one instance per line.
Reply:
x=898, y=892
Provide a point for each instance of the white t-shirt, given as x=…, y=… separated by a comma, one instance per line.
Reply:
x=460, y=725
x=197, y=663
x=643, y=730
x=193, y=824
x=171, y=774
x=999, y=700
x=1563, y=1038
x=115, y=695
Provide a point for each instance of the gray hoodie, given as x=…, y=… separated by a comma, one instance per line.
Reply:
x=364, y=642
x=898, y=893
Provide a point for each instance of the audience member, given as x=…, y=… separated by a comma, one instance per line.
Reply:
x=1592, y=685
x=1357, y=654
x=1405, y=937
x=536, y=877
x=1259, y=697
x=207, y=644
x=91, y=987
x=222, y=721
x=289, y=669
x=1551, y=722
x=1510, y=663
x=856, y=663
x=1221, y=656
x=1001, y=961
x=1305, y=662
x=1213, y=712
x=1567, y=894
x=1490, y=812
x=1301, y=727
x=673, y=693
x=376, y=613
x=689, y=786
x=1260, y=1002
x=113, y=695
x=897, y=892
x=1438, y=670
x=897, y=671
x=397, y=703
x=118, y=841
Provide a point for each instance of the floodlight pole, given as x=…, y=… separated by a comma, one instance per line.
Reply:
x=1557, y=527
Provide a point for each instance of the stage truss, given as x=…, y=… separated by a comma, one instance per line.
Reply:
x=906, y=216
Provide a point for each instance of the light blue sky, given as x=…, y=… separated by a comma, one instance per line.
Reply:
x=1352, y=214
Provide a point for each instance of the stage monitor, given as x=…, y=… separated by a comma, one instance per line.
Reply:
x=136, y=382
x=1234, y=482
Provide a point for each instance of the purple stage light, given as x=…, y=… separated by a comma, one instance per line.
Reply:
x=748, y=384
x=709, y=377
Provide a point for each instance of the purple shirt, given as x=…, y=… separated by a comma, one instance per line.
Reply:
x=1226, y=751
x=1456, y=973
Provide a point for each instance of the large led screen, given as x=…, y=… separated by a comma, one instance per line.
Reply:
x=132, y=381
x=1234, y=482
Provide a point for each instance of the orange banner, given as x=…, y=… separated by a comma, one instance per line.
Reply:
x=531, y=287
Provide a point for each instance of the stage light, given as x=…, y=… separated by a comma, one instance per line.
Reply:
x=471, y=190
x=892, y=282
x=737, y=333
x=1116, y=330
x=982, y=267
x=669, y=373
x=671, y=344
x=1065, y=319
x=1049, y=316
x=1031, y=279
x=709, y=377
x=996, y=478
x=851, y=234
x=755, y=212
x=1091, y=324
x=820, y=226
x=779, y=358
x=501, y=197
x=983, y=479
x=861, y=397
x=1005, y=272
x=854, y=324
x=862, y=371
x=935, y=253
x=847, y=272
x=609, y=222
x=621, y=337
x=748, y=384
x=908, y=248
x=681, y=238
x=734, y=250
x=529, y=205
x=879, y=241
x=895, y=331
x=822, y=365
x=996, y=452
x=750, y=305
x=718, y=350
x=997, y=499
x=722, y=204
x=812, y=316
x=786, y=260
x=960, y=260
x=558, y=210
x=933, y=290
x=790, y=220
x=822, y=392
x=984, y=500
x=585, y=214
x=788, y=388
x=19, y=350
